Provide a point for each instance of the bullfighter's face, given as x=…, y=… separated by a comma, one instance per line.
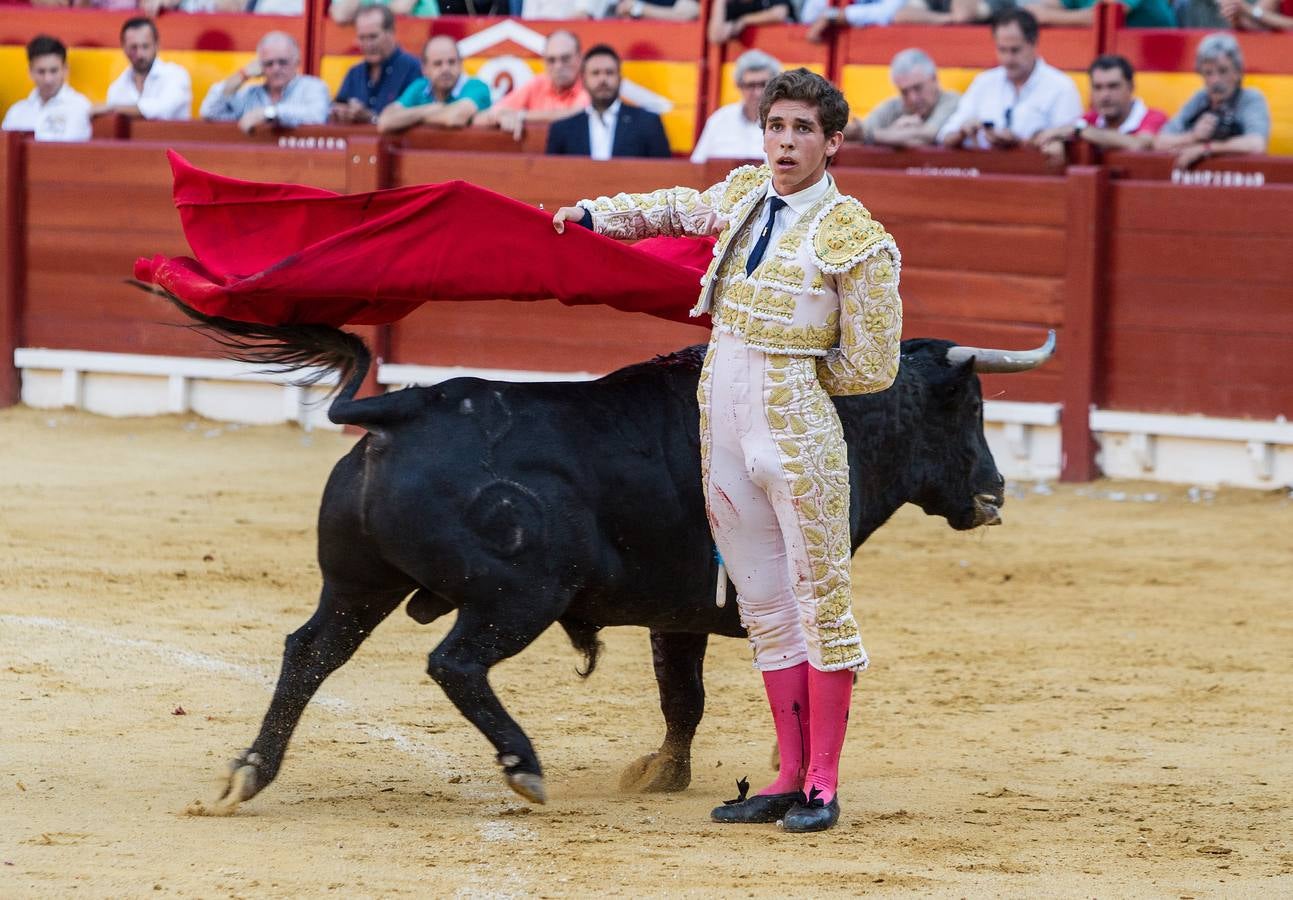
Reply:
x=796, y=146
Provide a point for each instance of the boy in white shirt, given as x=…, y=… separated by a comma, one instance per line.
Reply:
x=52, y=110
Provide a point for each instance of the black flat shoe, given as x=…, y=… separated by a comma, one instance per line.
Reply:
x=760, y=809
x=811, y=815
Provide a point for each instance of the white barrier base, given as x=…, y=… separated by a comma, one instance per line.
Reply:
x=1024, y=437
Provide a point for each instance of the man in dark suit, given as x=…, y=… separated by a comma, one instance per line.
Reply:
x=607, y=129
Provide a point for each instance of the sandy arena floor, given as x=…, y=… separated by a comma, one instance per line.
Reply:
x=1091, y=700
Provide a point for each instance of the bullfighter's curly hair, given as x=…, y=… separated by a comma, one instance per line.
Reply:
x=807, y=87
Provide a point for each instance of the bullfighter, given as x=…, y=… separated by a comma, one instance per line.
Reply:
x=803, y=295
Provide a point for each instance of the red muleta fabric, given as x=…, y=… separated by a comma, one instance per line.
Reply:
x=279, y=254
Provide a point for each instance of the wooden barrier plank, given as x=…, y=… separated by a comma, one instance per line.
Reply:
x=1201, y=373
x=1020, y=200
x=980, y=296
x=553, y=181
x=1203, y=256
x=930, y=160
x=1169, y=208
x=1219, y=305
x=975, y=247
x=542, y=336
x=1162, y=167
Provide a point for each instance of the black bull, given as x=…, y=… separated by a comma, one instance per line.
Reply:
x=521, y=505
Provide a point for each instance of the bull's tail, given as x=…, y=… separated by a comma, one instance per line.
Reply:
x=319, y=349
x=584, y=637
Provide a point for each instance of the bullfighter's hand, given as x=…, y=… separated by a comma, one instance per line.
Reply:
x=567, y=214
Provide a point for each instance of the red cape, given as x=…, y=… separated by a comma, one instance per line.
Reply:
x=278, y=254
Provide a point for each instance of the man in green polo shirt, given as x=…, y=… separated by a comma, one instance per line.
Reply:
x=1140, y=13
x=445, y=96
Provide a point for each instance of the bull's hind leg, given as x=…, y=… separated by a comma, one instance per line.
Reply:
x=318, y=648
x=486, y=633
x=679, y=672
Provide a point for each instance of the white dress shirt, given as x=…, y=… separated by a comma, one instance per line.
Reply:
x=601, y=130
x=65, y=117
x=797, y=204
x=1047, y=99
x=728, y=134
x=167, y=93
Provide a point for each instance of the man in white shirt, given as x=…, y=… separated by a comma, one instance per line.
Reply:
x=1017, y=99
x=286, y=98
x=53, y=111
x=733, y=131
x=151, y=88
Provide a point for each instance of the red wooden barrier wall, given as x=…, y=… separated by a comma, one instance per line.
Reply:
x=1168, y=297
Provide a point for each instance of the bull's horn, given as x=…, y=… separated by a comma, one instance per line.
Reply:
x=987, y=360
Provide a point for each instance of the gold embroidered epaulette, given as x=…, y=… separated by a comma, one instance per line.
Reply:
x=741, y=182
x=846, y=235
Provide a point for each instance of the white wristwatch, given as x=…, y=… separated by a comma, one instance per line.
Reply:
x=271, y=113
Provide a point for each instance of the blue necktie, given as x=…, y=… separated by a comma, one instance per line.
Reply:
x=775, y=205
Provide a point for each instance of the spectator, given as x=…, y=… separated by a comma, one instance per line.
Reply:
x=660, y=10
x=343, y=12
x=150, y=88
x=384, y=74
x=1263, y=15
x=1140, y=13
x=1117, y=119
x=286, y=99
x=913, y=118
x=942, y=12
x=544, y=98
x=1223, y=117
x=607, y=128
x=728, y=18
x=734, y=131
x=53, y=111
x=1018, y=98
x=821, y=15
x=444, y=96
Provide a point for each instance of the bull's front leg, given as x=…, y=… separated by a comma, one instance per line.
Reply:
x=311, y=653
x=679, y=661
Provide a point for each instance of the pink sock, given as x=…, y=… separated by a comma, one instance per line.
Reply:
x=829, y=694
x=788, y=696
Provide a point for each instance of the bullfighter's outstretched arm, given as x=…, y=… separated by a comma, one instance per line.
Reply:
x=670, y=212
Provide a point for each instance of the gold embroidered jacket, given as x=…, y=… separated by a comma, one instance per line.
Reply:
x=829, y=289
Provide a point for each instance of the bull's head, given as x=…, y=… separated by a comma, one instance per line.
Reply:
x=961, y=481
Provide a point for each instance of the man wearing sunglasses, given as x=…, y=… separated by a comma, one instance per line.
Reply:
x=555, y=94
x=285, y=99
x=733, y=131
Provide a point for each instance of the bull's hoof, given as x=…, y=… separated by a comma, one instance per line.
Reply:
x=656, y=773
x=528, y=785
x=242, y=782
